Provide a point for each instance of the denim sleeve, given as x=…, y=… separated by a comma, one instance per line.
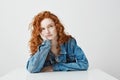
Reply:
x=81, y=62
x=35, y=63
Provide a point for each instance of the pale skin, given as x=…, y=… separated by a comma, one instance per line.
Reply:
x=49, y=33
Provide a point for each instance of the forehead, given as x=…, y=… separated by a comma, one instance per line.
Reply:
x=47, y=21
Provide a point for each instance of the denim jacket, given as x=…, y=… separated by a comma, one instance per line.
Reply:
x=71, y=58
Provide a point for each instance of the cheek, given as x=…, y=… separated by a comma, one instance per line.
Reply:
x=54, y=31
x=43, y=33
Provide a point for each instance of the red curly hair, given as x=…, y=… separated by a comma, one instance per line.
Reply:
x=35, y=27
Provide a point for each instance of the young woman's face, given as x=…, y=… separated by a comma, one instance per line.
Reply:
x=48, y=29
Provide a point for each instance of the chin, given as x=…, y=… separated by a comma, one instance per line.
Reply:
x=50, y=38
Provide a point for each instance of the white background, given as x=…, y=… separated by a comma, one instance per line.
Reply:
x=94, y=23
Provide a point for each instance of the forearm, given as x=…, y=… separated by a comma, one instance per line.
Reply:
x=36, y=62
x=70, y=66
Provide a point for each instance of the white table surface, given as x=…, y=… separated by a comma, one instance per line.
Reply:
x=92, y=74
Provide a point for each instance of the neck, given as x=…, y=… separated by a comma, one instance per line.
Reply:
x=54, y=41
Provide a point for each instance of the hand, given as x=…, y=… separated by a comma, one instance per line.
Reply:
x=47, y=69
x=43, y=37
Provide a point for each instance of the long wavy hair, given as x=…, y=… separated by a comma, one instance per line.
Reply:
x=35, y=27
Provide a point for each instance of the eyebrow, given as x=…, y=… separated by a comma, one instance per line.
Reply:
x=50, y=24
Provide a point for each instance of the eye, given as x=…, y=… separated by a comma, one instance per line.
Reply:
x=43, y=28
x=50, y=26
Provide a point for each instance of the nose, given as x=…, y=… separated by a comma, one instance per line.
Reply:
x=47, y=31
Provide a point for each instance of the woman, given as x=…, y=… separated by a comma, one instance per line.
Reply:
x=52, y=49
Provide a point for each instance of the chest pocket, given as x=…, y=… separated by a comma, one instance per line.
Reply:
x=61, y=58
x=71, y=58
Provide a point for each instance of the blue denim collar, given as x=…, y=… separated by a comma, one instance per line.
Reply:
x=63, y=51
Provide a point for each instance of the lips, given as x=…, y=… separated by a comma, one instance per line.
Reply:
x=48, y=35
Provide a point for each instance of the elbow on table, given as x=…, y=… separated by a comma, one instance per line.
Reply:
x=86, y=66
x=32, y=70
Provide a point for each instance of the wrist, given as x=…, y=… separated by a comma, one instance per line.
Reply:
x=48, y=42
